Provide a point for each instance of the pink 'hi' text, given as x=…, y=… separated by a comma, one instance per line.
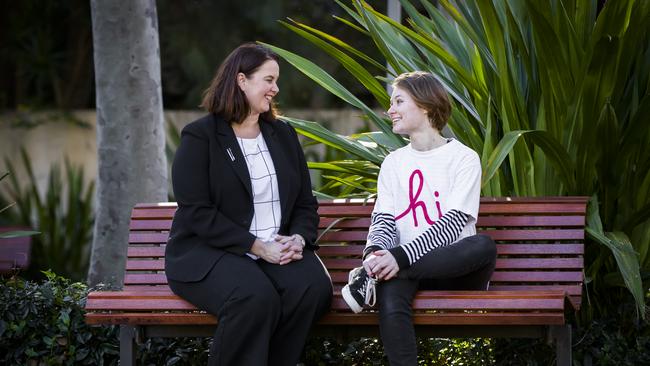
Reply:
x=415, y=203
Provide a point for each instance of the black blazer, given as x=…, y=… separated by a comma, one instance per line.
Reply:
x=215, y=204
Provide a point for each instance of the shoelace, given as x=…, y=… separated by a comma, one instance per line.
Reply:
x=368, y=292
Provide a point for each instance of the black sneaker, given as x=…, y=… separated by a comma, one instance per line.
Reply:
x=360, y=290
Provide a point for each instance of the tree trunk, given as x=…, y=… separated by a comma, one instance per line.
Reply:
x=130, y=131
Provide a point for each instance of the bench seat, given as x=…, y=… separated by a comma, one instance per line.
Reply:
x=451, y=307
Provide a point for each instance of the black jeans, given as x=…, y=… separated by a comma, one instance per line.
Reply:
x=465, y=265
x=265, y=311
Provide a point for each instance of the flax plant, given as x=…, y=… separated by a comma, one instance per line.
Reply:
x=62, y=213
x=553, y=95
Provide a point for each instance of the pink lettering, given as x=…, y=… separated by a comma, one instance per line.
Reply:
x=415, y=203
x=438, y=204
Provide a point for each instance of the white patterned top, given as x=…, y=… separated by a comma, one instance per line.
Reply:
x=264, y=182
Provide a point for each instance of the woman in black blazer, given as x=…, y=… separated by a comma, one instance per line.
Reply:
x=241, y=245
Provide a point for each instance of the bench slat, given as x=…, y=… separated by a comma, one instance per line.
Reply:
x=502, y=249
x=505, y=318
x=146, y=252
x=486, y=208
x=540, y=249
x=342, y=277
x=439, y=300
x=574, y=291
x=503, y=235
x=159, y=292
x=148, y=238
x=346, y=319
x=539, y=263
x=340, y=305
x=150, y=318
x=483, y=221
x=532, y=207
x=541, y=235
x=153, y=213
x=504, y=276
x=350, y=263
x=145, y=265
x=328, y=250
x=151, y=225
x=145, y=279
x=531, y=221
x=364, y=222
x=502, y=263
x=139, y=304
x=536, y=276
x=569, y=289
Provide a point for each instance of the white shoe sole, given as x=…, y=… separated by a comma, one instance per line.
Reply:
x=349, y=299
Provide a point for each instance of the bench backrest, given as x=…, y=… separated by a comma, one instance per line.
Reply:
x=540, y=242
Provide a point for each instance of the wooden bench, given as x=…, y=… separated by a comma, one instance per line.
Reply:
x=537, y=282
x=14, y=252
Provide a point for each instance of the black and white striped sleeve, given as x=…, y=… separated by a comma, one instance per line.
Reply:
x=382, y=233
x=442, y=233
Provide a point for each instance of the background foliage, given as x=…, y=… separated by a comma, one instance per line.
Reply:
x=63, y=214
x=46, y=56
x=42, y=324
x=552, y=95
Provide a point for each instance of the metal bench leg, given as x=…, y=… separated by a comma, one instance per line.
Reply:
x=562, y=336
x=127, y=345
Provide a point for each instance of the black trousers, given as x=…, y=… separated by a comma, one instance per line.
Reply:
x=265, y=311
x=465, y=265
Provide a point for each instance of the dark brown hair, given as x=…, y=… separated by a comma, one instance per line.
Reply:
x=224, y=97
x=428, y=94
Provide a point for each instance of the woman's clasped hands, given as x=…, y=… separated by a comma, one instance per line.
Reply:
x=293, y=246
x=280, y=250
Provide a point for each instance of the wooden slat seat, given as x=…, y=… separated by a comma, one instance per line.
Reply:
x=538, y=277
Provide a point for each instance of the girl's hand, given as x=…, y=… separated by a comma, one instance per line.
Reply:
x=384, y=265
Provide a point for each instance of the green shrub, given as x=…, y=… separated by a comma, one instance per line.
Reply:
x=613, y=341
x=174, y=351
x=42, y=324
x=369, y=351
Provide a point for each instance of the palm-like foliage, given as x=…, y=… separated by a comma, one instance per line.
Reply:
x=63, y=213
x=554, y=96
x=12, y=233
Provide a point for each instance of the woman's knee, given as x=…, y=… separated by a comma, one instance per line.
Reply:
x=251, y=298
x=317, y=284
x=317, y=292
x=322, y=286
